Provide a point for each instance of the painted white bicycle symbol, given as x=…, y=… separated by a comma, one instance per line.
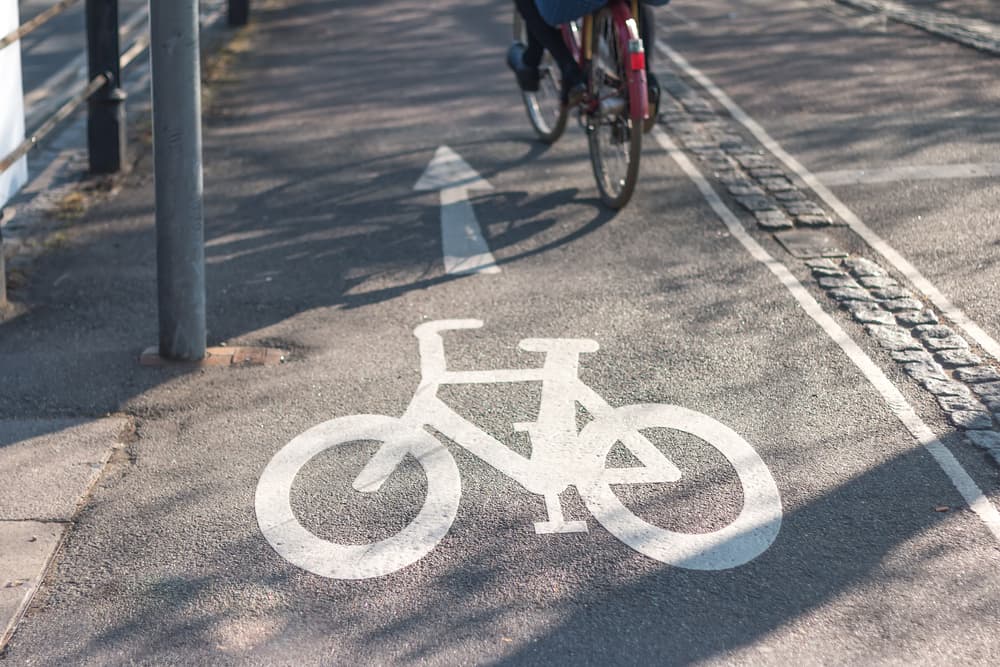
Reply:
x=560, y=457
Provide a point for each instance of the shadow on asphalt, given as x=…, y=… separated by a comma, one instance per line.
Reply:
x=293, y=232
x=592, y=601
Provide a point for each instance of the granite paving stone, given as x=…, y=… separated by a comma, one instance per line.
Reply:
x=971, y=419
x=766, y=171
x=924, y=331
x=910, y=356
x=773, y=220
x=851, y=294
x=804, y=207
x=892, y=292
x=946, y=343
x=835, y=281
x=877, y=282
x=860, y=266
x=946, y=388
x=897, y=305
x=874, y=315
x=974, y=374
x=914, y=317
x=987, y=388
x=777, y=184
x=956, y=403
x=992, y=403
x=745, y=190
x=925, y=370
x=892, y=337
x=985, y=439
x=813, y=220
x=756, y=203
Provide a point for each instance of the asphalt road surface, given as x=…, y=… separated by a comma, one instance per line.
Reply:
x=829, y=418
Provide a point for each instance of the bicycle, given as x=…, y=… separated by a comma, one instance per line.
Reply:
x=560, y=457
x=614, y=110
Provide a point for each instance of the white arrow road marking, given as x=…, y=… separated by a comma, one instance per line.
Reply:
x=465, y=248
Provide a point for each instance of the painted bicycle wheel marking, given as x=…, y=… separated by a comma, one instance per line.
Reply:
x=560, y=458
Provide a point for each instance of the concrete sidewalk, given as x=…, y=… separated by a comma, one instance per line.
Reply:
x=82, y=309
x=49, y=467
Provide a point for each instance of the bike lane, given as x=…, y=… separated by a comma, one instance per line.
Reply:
x=321, y=245
x=897, y=124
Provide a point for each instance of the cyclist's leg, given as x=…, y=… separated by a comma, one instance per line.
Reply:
x=552, y=40
x=647, y=30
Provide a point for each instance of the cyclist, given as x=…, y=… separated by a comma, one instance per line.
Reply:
x=540, y=17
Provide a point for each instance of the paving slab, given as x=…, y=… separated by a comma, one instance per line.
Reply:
x=48, y=467
x=27, y=547
x=48, y=464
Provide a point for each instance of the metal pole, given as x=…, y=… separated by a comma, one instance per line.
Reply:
x=180, y=226
x=239, y=12
x=106, y=109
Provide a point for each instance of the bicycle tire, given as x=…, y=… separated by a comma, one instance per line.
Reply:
x=742, y=540
x=614, y=140
x=546, y=112
x=296, y=544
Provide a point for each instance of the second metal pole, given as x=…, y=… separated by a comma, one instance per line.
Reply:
x=239, y=12
x=180, y=226
x=106, y=113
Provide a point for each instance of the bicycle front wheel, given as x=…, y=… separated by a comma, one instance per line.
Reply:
x=614, y=138
x=545, y=109
x=742, y=540
x=302, y=548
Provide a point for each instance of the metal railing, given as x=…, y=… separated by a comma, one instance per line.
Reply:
x=103, y=92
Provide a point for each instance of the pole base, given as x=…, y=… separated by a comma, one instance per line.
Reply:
x=219, y=356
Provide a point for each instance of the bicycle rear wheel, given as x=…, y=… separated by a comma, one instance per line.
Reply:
x=545, y=109
x=615, y=140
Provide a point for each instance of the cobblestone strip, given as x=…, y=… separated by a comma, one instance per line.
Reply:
x=981, y=35
x=755, y=180
x=966, y=387
x=933, y=354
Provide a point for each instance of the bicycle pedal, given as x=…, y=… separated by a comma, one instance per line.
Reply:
x=551, y=527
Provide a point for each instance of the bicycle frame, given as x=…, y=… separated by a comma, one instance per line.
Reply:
x=626, y=21
x=559, y=458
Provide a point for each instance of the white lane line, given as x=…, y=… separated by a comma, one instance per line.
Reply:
x=680, y=17
x=910, y=272
x=962, y=481
x=908, y=173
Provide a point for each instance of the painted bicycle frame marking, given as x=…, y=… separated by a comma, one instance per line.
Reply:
x=560, y=457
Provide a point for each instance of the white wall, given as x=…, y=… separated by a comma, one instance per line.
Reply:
x=11, y=104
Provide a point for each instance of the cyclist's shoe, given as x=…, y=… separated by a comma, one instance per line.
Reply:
x=653, y=94
x=527, y=77
x=574, y=87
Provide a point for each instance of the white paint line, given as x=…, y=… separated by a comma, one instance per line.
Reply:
x=908, y=173
x=901, y=264
x=680, y=17
x=897, y=403
x=465, y=248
